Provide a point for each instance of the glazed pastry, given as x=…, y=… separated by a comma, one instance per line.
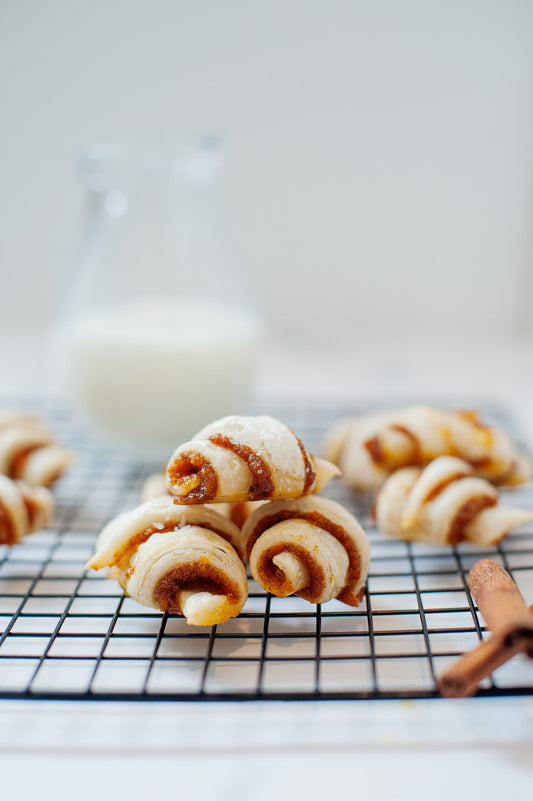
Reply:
x=443, y=504
x=311, y=547
x=23, y=510
x=29, y=452
x=180, y=560
x=238, y=459
x=370, y=447
x=155, y=485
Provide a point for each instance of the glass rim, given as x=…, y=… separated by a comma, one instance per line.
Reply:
x=195, y=159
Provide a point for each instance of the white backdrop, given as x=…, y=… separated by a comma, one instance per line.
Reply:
x=381, y=153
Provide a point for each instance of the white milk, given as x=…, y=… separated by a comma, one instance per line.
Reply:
x=149, y=375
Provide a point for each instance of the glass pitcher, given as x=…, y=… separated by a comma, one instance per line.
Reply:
x=159, y=335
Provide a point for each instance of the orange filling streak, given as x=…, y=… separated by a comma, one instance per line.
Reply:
x=442, y=485
x=134, y=542
x=466, y=514
x=315, y=518
x=416, y=458
x=262, y=485
x=274, y=578
x=196, y=577
x=375, y=450
x=16, y=468
x=310, y=475
x=193, y=464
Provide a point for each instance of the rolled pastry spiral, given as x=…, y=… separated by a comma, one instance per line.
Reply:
x=238, y=459
x=443, y=504
x=29, y=451
x=311, y=547
x=370, y=447
x=180, y=560
x=23, y=509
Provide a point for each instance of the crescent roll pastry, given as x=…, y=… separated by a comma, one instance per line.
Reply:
x=239, y=459
x=311, y=547
x=23, y=509
x=370, y=447
x=28, y=450
x=180, y=560
x=443, y=504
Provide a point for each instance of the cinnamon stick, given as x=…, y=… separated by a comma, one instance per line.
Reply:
x=510, y=620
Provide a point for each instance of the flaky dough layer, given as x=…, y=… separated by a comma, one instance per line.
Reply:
x=183, y=560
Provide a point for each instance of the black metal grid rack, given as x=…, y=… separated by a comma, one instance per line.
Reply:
x=68, y=634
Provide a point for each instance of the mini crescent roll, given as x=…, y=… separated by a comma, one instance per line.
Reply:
x=238, y=459
x=180, y=560
x=23, y=509
x=29, y=452
x=443, y=504
x=370, y=447
x=311, y=547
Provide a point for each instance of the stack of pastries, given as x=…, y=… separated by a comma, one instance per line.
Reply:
x=29, y=450
x=245, y=490
x=30, y=461
x=435, y=473
x=184, y=552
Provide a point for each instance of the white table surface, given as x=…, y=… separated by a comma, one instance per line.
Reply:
x=480, y=748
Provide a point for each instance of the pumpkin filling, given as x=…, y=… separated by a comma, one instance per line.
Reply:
x=466, y=514
x=193, y=479
x=317, y=519
x=195, y=577
x=274, y=579
x=261, y=485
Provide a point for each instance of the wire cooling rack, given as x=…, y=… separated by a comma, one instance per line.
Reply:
x=68, y=634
